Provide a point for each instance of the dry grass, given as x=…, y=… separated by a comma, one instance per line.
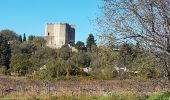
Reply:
x=31, y=89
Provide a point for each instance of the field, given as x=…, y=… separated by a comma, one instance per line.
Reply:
x=21, y=88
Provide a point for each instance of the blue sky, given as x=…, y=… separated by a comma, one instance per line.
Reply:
x=30, y=16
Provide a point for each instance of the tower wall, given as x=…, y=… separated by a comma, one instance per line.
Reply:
x=58, y=34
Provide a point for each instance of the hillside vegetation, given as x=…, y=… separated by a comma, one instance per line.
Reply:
x=31, y=58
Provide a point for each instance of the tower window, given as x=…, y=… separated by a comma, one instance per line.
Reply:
x=48, y=33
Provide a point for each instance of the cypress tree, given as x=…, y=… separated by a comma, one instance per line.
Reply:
x=20, y=38
x=24, y=37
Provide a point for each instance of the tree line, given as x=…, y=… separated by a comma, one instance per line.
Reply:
x=33, y=59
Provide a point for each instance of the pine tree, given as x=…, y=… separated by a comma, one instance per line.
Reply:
x=24, y=38
x=90, y=42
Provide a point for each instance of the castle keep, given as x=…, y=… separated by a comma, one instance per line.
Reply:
x=58, y=34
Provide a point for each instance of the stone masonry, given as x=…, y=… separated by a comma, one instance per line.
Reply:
x=58, y=34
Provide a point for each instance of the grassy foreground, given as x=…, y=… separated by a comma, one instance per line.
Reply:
x=114, y=96
x=13, y=88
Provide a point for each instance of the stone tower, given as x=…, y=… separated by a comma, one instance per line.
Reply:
x=58, y=34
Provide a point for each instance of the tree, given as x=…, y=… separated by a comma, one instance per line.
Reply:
x=5, y=53
x=126, y=55
x=38, y=41
x=90, y=42
x=27, y=48
x=31, y=37
x=9, y=35
x=80, y=46
x=20, y=63
x=143, y=21
x=108, y=39
x=64, y=52
x=78, y=61
x=81, y=59
x=103, y=62
x=20, y=38
x=24, y=37
x=40, y=56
